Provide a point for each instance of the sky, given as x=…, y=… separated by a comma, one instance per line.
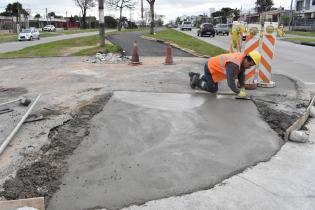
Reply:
x=170, y=8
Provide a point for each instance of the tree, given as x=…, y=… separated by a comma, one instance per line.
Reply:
x=84, y=5
x=110, y=22
x=177, y=21
x=263, y=5
x=120, y=4
x=236, y=14
x=51, y=14
x=16, y=9
x=37, y=16
x=151, y=3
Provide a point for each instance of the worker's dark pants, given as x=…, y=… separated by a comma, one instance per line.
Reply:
x=206, y=82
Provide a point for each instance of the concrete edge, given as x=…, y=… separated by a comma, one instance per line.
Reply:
x=303, y=94
x=175, y=46
x=297, y=125
x=311, y=44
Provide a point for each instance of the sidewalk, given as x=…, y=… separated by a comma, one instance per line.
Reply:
x=285, y=182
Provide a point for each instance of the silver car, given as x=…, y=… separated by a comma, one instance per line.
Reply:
x=29, y=34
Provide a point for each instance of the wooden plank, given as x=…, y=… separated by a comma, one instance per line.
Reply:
x=300, y=122
x=37, y=203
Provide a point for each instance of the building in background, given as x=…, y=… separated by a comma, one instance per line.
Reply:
x=305, y=8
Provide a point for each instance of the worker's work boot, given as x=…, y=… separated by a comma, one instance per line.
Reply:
x=191, y=74
x=194, y=80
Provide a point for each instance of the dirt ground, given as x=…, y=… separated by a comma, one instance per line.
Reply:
x=74, y=92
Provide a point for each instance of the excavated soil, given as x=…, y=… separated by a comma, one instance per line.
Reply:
x=279, y=112
x=42, y=177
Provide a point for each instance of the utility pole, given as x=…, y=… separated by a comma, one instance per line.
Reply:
x=46, y=16
x=18, y=19
x=66, y=14
x=291, y=17
x=102, y=22
x=142, y=23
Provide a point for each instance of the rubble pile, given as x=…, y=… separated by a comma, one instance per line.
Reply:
x=109, y=58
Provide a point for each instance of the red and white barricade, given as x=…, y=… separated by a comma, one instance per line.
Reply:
x=267, y=50
x=252, y=43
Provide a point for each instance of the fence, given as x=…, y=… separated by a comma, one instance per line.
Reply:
x=303, y=24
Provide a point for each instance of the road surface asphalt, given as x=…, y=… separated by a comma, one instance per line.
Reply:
x=146, y=47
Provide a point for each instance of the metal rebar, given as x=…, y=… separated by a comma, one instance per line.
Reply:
x=15, y=130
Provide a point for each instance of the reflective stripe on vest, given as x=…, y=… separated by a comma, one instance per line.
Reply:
x=217, y=64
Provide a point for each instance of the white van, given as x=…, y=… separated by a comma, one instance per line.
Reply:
x=186, y=25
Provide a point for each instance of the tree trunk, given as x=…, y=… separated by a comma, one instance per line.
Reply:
x=83, y=18
x=101, y=21
x=120, y=18
x=152, y=18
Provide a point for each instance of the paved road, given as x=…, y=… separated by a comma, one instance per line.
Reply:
x=13, y=46
x=291, y=59
x=146, y=47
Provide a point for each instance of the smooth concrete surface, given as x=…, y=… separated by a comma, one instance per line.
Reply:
x=286, y=182
x=147, y=146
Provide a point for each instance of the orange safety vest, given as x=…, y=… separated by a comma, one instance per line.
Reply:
x=216, y=65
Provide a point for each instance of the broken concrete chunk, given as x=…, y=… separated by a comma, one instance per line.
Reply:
x=299, y=136
x=111, y=58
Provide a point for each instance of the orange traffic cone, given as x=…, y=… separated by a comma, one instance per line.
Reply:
x=134, y=55
x=169, y=55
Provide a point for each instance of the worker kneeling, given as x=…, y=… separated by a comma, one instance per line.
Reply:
x=225, y=66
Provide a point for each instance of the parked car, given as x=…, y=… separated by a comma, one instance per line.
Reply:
x=222, y=29
x=49, y=28
x=206, y=29
x=186, y=26
x=29, y=34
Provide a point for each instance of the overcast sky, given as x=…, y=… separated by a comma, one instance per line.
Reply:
x=170, y=8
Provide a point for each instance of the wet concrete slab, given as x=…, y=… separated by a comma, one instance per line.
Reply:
x=146, y=146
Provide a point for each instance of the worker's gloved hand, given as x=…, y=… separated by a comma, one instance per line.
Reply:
x=242, y=93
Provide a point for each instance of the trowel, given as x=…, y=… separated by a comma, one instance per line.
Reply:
x=242, y=98
x=231, y=96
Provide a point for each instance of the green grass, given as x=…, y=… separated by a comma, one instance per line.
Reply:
x=94, y=50
x=8, y=38
x=301, y=33
x=58, y=48
x=189, y=42
x=301, y=39
x=78, y=31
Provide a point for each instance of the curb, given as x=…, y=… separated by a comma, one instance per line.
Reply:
x=311, y=44
x=176, y=46
x=302, y=95
x=297, y=125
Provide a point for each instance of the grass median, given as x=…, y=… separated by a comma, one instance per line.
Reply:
x=77, y=46
x=301, y=33
x=188, y=42
x=302, y=39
